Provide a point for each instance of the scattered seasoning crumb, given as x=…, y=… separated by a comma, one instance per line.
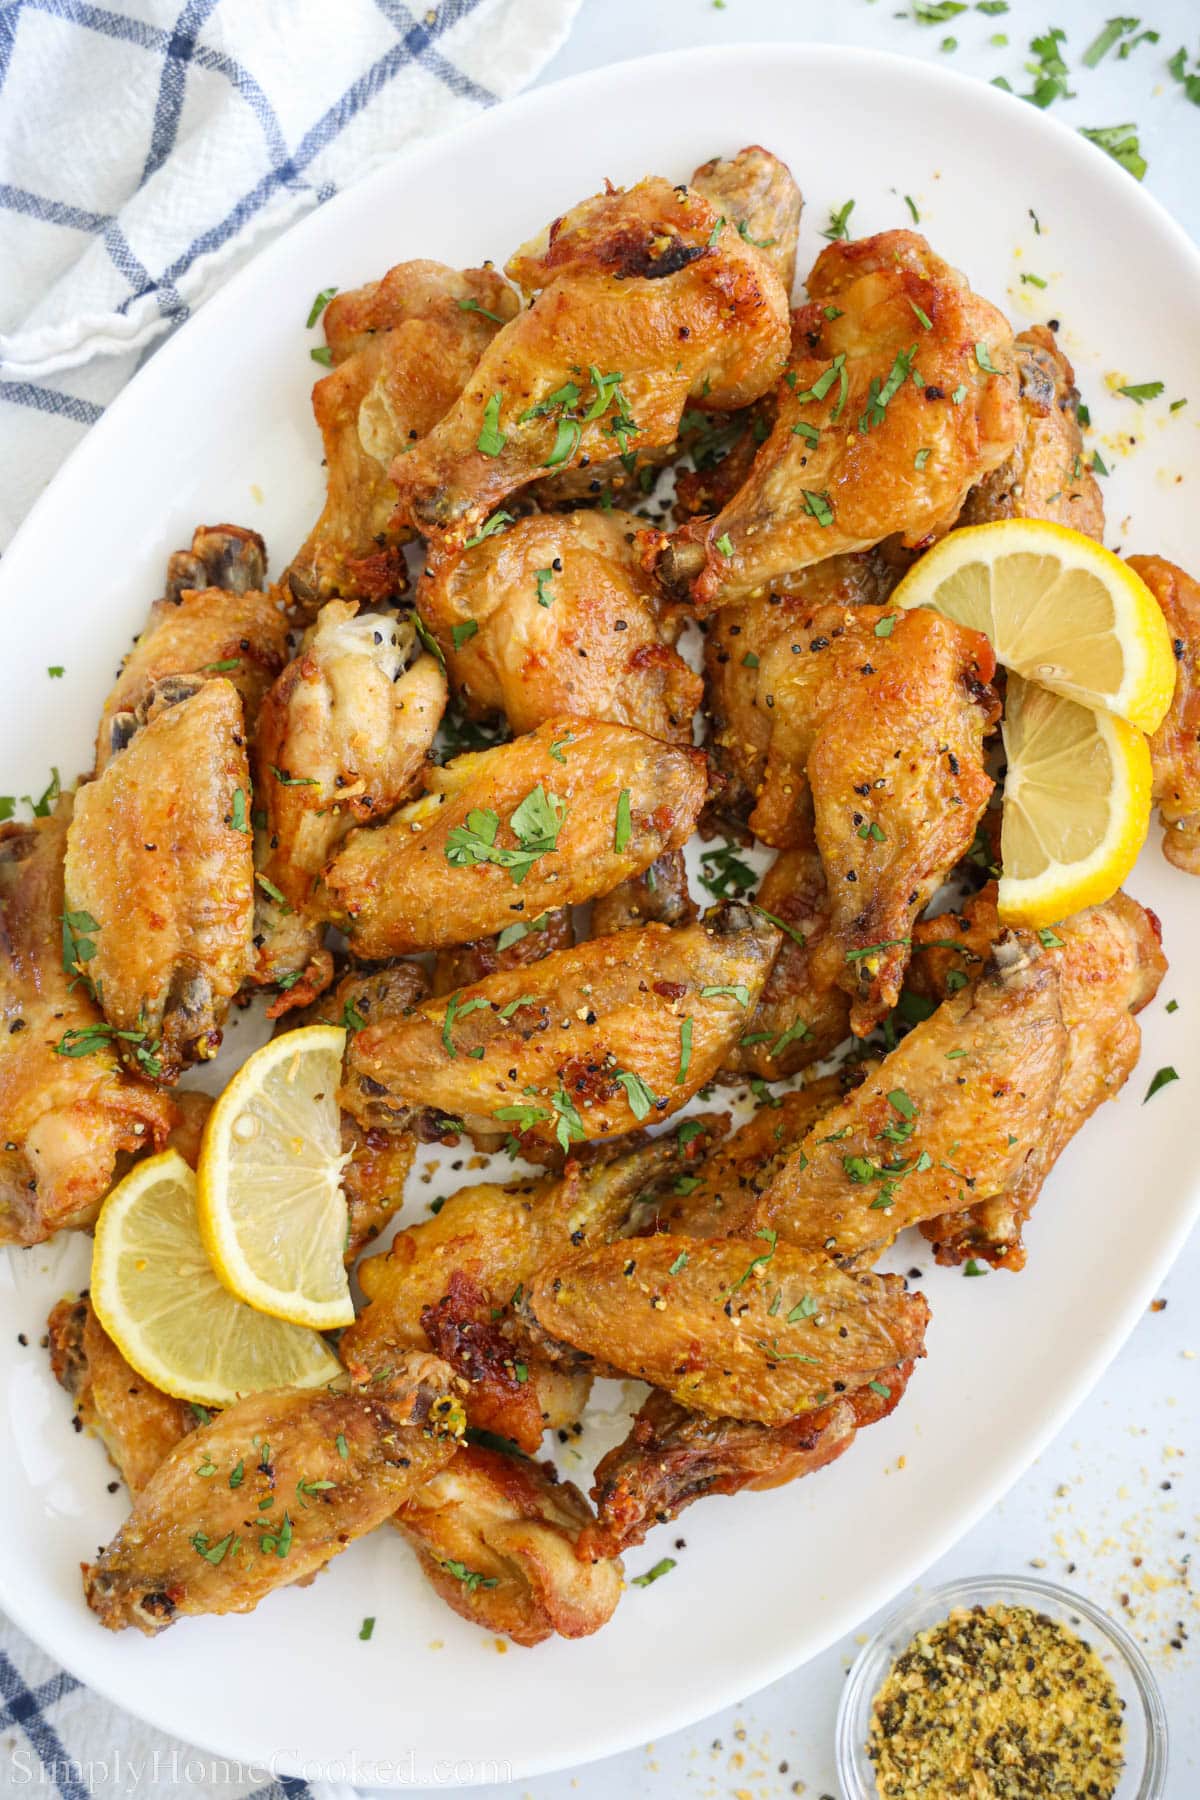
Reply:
x=1000, y=1701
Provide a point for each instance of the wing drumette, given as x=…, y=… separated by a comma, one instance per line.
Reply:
x=137, y=1423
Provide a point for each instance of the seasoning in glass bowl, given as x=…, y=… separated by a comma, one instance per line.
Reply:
x=997, y=1703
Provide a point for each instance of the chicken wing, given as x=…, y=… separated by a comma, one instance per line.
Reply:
x=545, y=821
x=878, y=723
x=742, y=1329
x=231, y=557
x=739, y=640
x=1175, y=746
x=1109, y=963
x=159, y=858
x=658, y=896
x=461, y=965
x=673, y=1457
x=496, y=1536
x=240, y=633
x=643, y=299
x=756, y=194
x=802, y=1014
x=556, y=616
x=70, y=1113
x=300, y=1474
x=898, y=399
x=344, y=737
x=137, y=1423
x=1046, y=477
x=403, y=349
x=584, y=1044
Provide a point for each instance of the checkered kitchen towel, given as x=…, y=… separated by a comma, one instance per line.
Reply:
x=148, y=146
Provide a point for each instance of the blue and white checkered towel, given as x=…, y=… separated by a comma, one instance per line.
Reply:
x=147, y=147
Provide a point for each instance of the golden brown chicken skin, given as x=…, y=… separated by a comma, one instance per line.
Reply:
x=202, y=632
x=741, y=636
x=331, y=1465
x=883, y=422
x=742, y=1328
x=1047, y=475
x=496, y=1536
x=641, y=301
x=503, y=835
x=403, y=349
x=673, y=1457
x=70, y=1112
x=556, y=616
x=879, y=721
x=1175, y=746
x=159, y=856
x=1109, y=963
x=137, y=1423
x=344, y=737
x=756, y=194
x=802, y=1013
x=585, y=1044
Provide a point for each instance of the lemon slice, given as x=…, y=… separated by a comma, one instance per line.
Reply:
x=272, y=1213
x=1076, y=805
x=1056, y=607
x=157, y=1297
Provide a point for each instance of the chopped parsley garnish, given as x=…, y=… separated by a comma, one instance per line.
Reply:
x=795, y=1033
x=974, y=1268
x=318, y=306
x=1177, y=64
x=1029, y=280
x=623, y=828
x=322, y=354
x=641, y=1099
x=566, y=442
x=1121, y=143
x=535, y=823
x=1048, y=939
x=558, y=746
x=881, y=1388
x=737, y=992
x=470, y=1578
x=715, y=233
x=1099, y=466
x=885, y=627
x=456, y=1009
x=761, y=1260
x=872, y=830
x=78, y=940
x=286, y=780
x=496, y=523
x=685, y=1050
x=722, y=872
x=237, y=1473
x=881, y=394
x=212, y=1553
x=818, y=505
x=921, y=458
x=521, y=928
x=368, y=1625
x=1050, y=71
x=43, y=806
x=55, y=671
x=725, y=544
x=544, y=595
x=959, y=394
x=87, y=1040
x=936, y=12
x=796, y=936
x=1161, y=1079
x=912, y=207
x=983, y=356
x=222, y=668
x=809, y=433
x=679, y=1263
x=874, y=949
x=759, y=243
x=661, y=1568
x=1100, y=46
x=462, y=633
x=474, y=306
x=1141, y=391
x=238, y=811
x=923, y=318
x=838, y=226
x=268, y=887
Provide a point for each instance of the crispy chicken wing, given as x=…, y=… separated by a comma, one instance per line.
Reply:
x=673, y=1457
x=137, y=1423
x=642, y=301
x=70, y=1112
x=1175, y=746
x=403, y=349
x=556, y=616
x=756, y=194
x=502, y=835
x=317, y=1470
x=1046, y=477
x=344, y=737
x=461, y=965
x=658, y=896
x=802, y=1014
x=496, y=1536
x=584, y=1044
x=159, y=857
x=878, y=724
x=1109, y=966
x=742, y=1329
x=899, y=398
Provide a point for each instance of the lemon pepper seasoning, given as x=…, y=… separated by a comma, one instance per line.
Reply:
x=997, y=1703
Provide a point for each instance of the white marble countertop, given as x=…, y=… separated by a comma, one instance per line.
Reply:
x=1111, y=1507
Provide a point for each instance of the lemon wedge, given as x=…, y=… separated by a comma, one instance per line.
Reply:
x=1056, y=607
x=1076, y=805
x=157, y=1297
x=271, y=1209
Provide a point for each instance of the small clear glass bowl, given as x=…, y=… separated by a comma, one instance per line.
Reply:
x=1145, y=1772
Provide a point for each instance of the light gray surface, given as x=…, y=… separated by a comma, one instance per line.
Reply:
x=1112, y=1506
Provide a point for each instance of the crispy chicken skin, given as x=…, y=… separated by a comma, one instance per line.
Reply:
x=638, y=283
x=69, y=1117
x=802, y=1014
x=137, y=1423
x=344, y=737
x=740, y=1328
x=201, y=632
x=461, y=965
x=403, y=349
x=1109, y=966
x=673, y=1457
x=739, y=639
x=950, y=1117
x=557, y=616
x=839, y=471
x=603, y=799
x=496, y=1536
x=159, y=856
x=1175, y=746
x=756, y=194
x=332, y=1465
x=878, y=724
x=1046, y=476
x=577, y=1021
